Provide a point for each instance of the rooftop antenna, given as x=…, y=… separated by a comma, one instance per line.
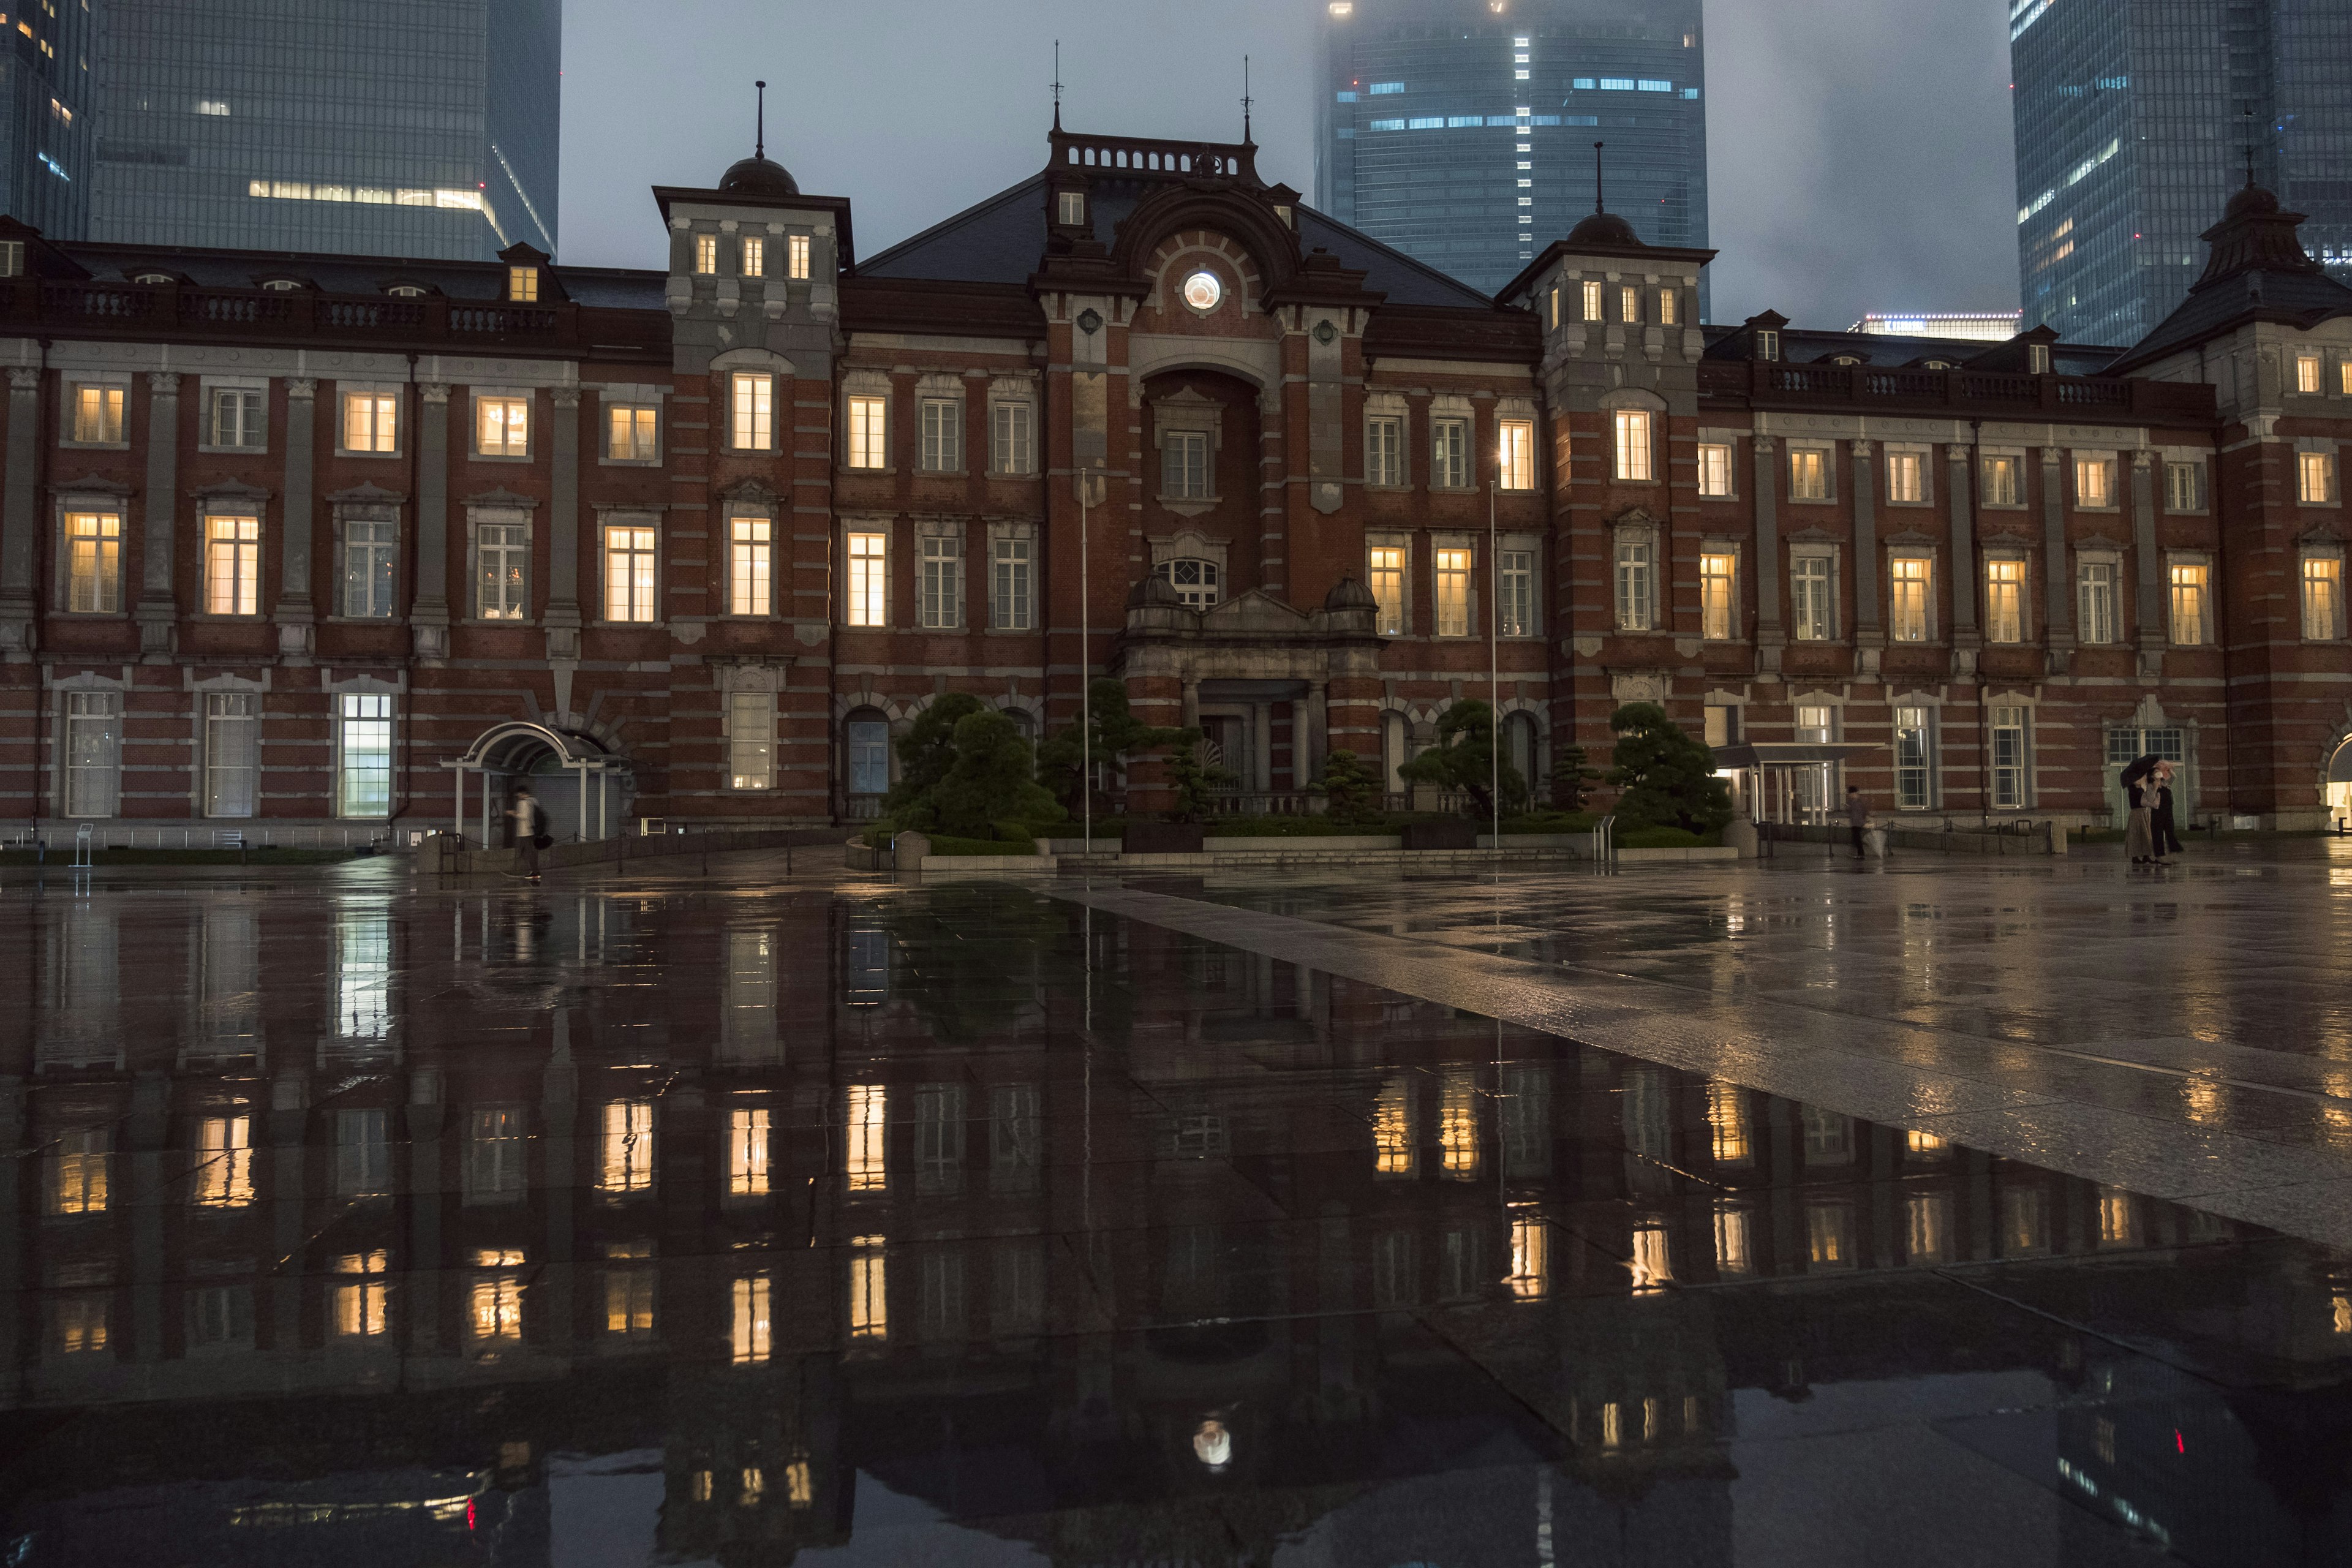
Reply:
x=1057, y=84
x=760, y=135
x=1596, y=176
x=1246, y=102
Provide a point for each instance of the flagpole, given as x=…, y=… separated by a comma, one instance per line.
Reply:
x=1495, y=661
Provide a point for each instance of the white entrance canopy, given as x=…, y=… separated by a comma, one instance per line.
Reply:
x=1777, y=764
x=517, y=748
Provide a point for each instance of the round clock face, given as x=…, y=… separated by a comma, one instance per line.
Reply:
x=1202, y=290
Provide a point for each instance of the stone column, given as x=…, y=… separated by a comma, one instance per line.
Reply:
x=1770, y=636
x=157, y=611
x=2058, y=611
x=429, y=616
x=1261, y=777
x=296, y=612
x=563, y=533
x=1311, y=732
x=2148, y=568
x=1961, y=500
x=1869, y=636
x=20, y=523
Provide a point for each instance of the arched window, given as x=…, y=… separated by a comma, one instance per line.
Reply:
x=1024, y=723
x=1396, y=749
x=1519, y=748
x=865, y=757
x=1196, y=581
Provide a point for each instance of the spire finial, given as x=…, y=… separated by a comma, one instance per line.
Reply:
x=1246, y=102
x=1057, y=84
x=1596, y=176
x=759, y=135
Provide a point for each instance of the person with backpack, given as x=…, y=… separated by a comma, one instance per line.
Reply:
x=530, y=830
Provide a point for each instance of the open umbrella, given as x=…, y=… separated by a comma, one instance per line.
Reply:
x=2140, y=770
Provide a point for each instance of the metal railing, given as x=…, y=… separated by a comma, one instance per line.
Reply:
x=1279, y=803
x=109, y=835
x=1604, y=841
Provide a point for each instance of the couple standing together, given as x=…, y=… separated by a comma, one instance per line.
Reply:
x=2149, y=833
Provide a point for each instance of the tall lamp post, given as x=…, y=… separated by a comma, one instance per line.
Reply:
x=1088, y=485
x=1494, y=651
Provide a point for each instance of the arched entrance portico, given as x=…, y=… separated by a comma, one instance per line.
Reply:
x=2339, y=783
x=583, y=788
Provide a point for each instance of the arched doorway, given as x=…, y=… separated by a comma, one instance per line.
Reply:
x=2339, y=787
x=585, y=789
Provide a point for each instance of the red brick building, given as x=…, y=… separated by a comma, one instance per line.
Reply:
x=317, y=538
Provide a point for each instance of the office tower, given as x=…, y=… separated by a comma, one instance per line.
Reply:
x=1461, y=131
x=45, y=118
x=2136, y=119
x=425, y=129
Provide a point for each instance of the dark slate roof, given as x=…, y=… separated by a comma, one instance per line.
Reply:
x=1002, y=240
x=608, y=287
x=2257, y=270
x=1801, y=345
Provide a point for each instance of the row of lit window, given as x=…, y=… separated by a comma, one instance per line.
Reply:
x=1591, y=299
x=1907, y=475
x=1450, y=462
x=751, y=255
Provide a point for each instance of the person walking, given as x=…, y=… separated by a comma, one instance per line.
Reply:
x=2164, y=831
x=528, y=824
x=1857, y=816
x=2139, y=842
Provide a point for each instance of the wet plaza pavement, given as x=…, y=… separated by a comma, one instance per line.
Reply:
x=647, y=1217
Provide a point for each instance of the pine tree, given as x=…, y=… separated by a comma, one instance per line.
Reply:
x=1464, y=759
x=1194, y=782
x=1350, y=790
x=1667, y=774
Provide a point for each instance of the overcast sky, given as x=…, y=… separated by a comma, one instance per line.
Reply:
x=1859, y=150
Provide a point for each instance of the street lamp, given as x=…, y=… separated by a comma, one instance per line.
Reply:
x=1089, y=487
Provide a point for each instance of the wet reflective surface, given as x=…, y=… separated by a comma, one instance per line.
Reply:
x=637, y=1222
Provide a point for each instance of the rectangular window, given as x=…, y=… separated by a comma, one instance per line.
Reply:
x=1809, y=473
x=2184, y=486
x=2189, y=609
x=232, y=566
x=750, y=566
x=866, y=1161
x=1718, y=588
x=2008, y=757
x=752, y=740
x=2306, y=372
x=1767, y=344
x=2005, y=600
x=1185, y=464
x=502, y=570
x=1632, y=425
x=869, y=425
x=364, y=766
x=2000, y=481
x=1449, y=460
x=942, y=568
x=629, y=1147
x=2095, y=482
x=755, y=256
x=1591, y=299
x=2323, y=598
x=1913, y=762
x=1629, y=304
x=223, y=1152
x=98, y=413
x=502, y=426
x=1636, y=591
x=2314, y=477
x=1384, y=451
x=93, y=563
x=868, y=582
x=93, y=752
x=496, y=1154
x=2094, y=598
x=232, y=753
x=1906, y=478
x=522, y=285
x=1515, y=594
x=363, y=1155
x=1451, y=577
x=1812, y=590
x=943, y=434
x=748, y=1141
x=1517, y=452
x=1666, y=307
x=1908, y=604
x=236, y=417
x=1013, y=433
x=1070, y=207
x=1012, y=589
x=629, y=573
x=1384, y=568
x=868, y=744
x=371, y=422
x=706, y=254
x=796, y=256
x=371, y=553
x=751, y=412
x=631, y=433
x=1715, y=470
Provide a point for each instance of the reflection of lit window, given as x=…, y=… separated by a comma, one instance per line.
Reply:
x=1829, y=1235
x=495, y=1309
x=2024, y=1227
x=699, y=1489
x=747, y=1153
x=751, y=1325
x=1531, y=1256
x=1458, y=1127
x=869, y=1155
x=1612, y=1426
x=1734, y=1239
x=869, y=1303
x=1213, y=1444
x=1652, y=1269
x=225, y=1144
x=800, y=1490
x=359, y=1305
x=1727, y=1117
x=77, y=1171
x=1926, y=1145
x=628, y=1146
x=755, y=1487
x=364, y=977
x=80, y=1324
x=1928, y=1226
x=2343, y=1314
x=2118, y=1222
x=1392, y=1138
x=629, y=1292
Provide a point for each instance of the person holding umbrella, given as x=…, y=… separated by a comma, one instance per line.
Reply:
x=2164, y=829
x=2140, y=841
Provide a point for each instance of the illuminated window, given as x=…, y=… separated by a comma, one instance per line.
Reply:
x=1452, y=581
x=1449, y=454
x=363, y=753
x=93, y=563
x=1735, y=1238
x=1906, y=478
x=747, y=1153
x=1632, y=425
x=225, y=1155
x=629, y=574
x=2191, y=616
x=1636, y=585
x=494, y=1304
x=628, y=1294
x=2000, y=481
x=1384, y=451
x=1907, y=607
x=631, y=434
x=1727, y=1121
x=522, y=285
x=2119, y=1218
x=752, y=412
x=1829, y=1235
x=750, y=566
x=1012, y=591
x=1013, y=428
x=751, y=1329
x=2095, y=602
x=2323, y=598
x=359, y=1301
x=1629, y=304
x=1393, y=1142
x=800, y=1490
x=2314, y=477
x=502, y=426
x=1927, y=1228
x=1516, y=594
x=750, y=740
x=939, y=607
x=755, y=256
x=232, y=566
x=2005, y=600
x=371, y=422
x=1530, y=1276
x=1592, y=301
x=1458, y=1126
x=98, y=414
x=629, y=1147
x=2094, y=481
x=868, y=1158
x=1715, y=470
x=796, y=255
x=868, y=584
x=1385, y=569
x=868, y=433
x=1653, y=1269
x=2306, y=372
x=1809, y=473
x=77, y=1171
x=1717, y=589
x=1666, y=307
x=869, y=1289
x=1519, y=455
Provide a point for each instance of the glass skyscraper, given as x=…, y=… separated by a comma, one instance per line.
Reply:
x=2135, y=120
x=1461, y=131
x=426, y=127
x=45, y=120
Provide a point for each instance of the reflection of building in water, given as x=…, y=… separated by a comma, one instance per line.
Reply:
x=895, y=1190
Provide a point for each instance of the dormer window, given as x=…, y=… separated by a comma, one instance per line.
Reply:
x=153, y=278
x=1283, y=214
x=405, y=291
x=2037, y=359
x=1939, y=365
x=1768, y=343
x=1071, y=209
x=12, y=259
x=1845, y=359
x=522, y=285
x=280, y=285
